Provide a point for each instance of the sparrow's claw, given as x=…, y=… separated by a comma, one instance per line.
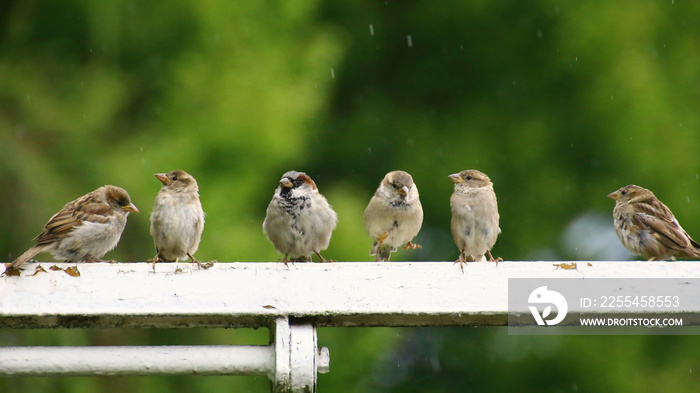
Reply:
x=286, y=260
x=198, y=262
x=412, y=246
x=318, y=254
x=499, y=259
x=462, y=261
x=156, y=259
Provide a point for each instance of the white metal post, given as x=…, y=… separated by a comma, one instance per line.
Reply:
x=298, y=358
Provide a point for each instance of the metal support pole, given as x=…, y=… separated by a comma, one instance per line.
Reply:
x=298, y=358
x=138, y=360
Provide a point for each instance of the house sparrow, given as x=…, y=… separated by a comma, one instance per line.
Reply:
x=177, y=219
x=299, y=220
x=474, y=216
x=647, y=227
x=394, y=215
x=85, y=229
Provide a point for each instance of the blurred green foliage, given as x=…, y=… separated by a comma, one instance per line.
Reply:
x=560, y=103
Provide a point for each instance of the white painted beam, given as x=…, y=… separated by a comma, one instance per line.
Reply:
x=256, y=294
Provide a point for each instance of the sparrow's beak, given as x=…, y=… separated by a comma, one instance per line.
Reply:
x=286, y=183
x=163, y=178
x=456, y=178
x=614, y=195
x=403, y=190
x=131, y=208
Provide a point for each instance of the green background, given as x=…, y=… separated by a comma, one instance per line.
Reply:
x=559, y=103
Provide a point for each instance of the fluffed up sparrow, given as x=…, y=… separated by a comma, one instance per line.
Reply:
x=474, y=216
x=394, y=215
x=177, y=220
x=299, y=220
x=85, y=229
x=647, y=227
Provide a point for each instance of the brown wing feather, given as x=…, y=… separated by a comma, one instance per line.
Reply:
x=89, y=207
x=660, y=220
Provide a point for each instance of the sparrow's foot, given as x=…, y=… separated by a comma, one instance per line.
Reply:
x=155, y=259
x=286, y=260
x=412, y=246
x=318, y=254
x=462, y=261
x=499, y=259
x=381, y=238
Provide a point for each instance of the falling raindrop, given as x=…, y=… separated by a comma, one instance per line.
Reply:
x=612, y=97
x=332, y=73
x=409, y=40
x=539, y=33
x=141, y=149
x=687, y=198
x=371, y=29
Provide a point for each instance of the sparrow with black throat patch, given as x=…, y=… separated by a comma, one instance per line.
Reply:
x=299, y=221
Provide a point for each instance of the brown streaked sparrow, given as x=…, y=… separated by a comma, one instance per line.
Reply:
x=85, y=229
x=647, y=227
x=394, y=215
x=474, y=216
x=177, y=220
x=299, y=220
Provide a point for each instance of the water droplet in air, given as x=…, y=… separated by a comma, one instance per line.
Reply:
x=371, y=29
x=409, y=40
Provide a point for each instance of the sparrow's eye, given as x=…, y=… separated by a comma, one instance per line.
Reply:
x=297, y=182
x=122, y=202
x=623, y=192
x=469, y=177
x=396, y=186
x=174, y=177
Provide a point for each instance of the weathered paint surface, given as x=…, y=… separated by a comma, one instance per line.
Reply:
x=256, y=294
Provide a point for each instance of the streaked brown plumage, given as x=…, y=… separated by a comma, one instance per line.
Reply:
x=648, y=228
x=85, y=229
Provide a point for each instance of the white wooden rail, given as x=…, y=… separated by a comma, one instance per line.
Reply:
x=290, y=300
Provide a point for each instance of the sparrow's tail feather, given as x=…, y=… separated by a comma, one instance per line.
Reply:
x=375, y=246
x=29, y=254
x=383, y=252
